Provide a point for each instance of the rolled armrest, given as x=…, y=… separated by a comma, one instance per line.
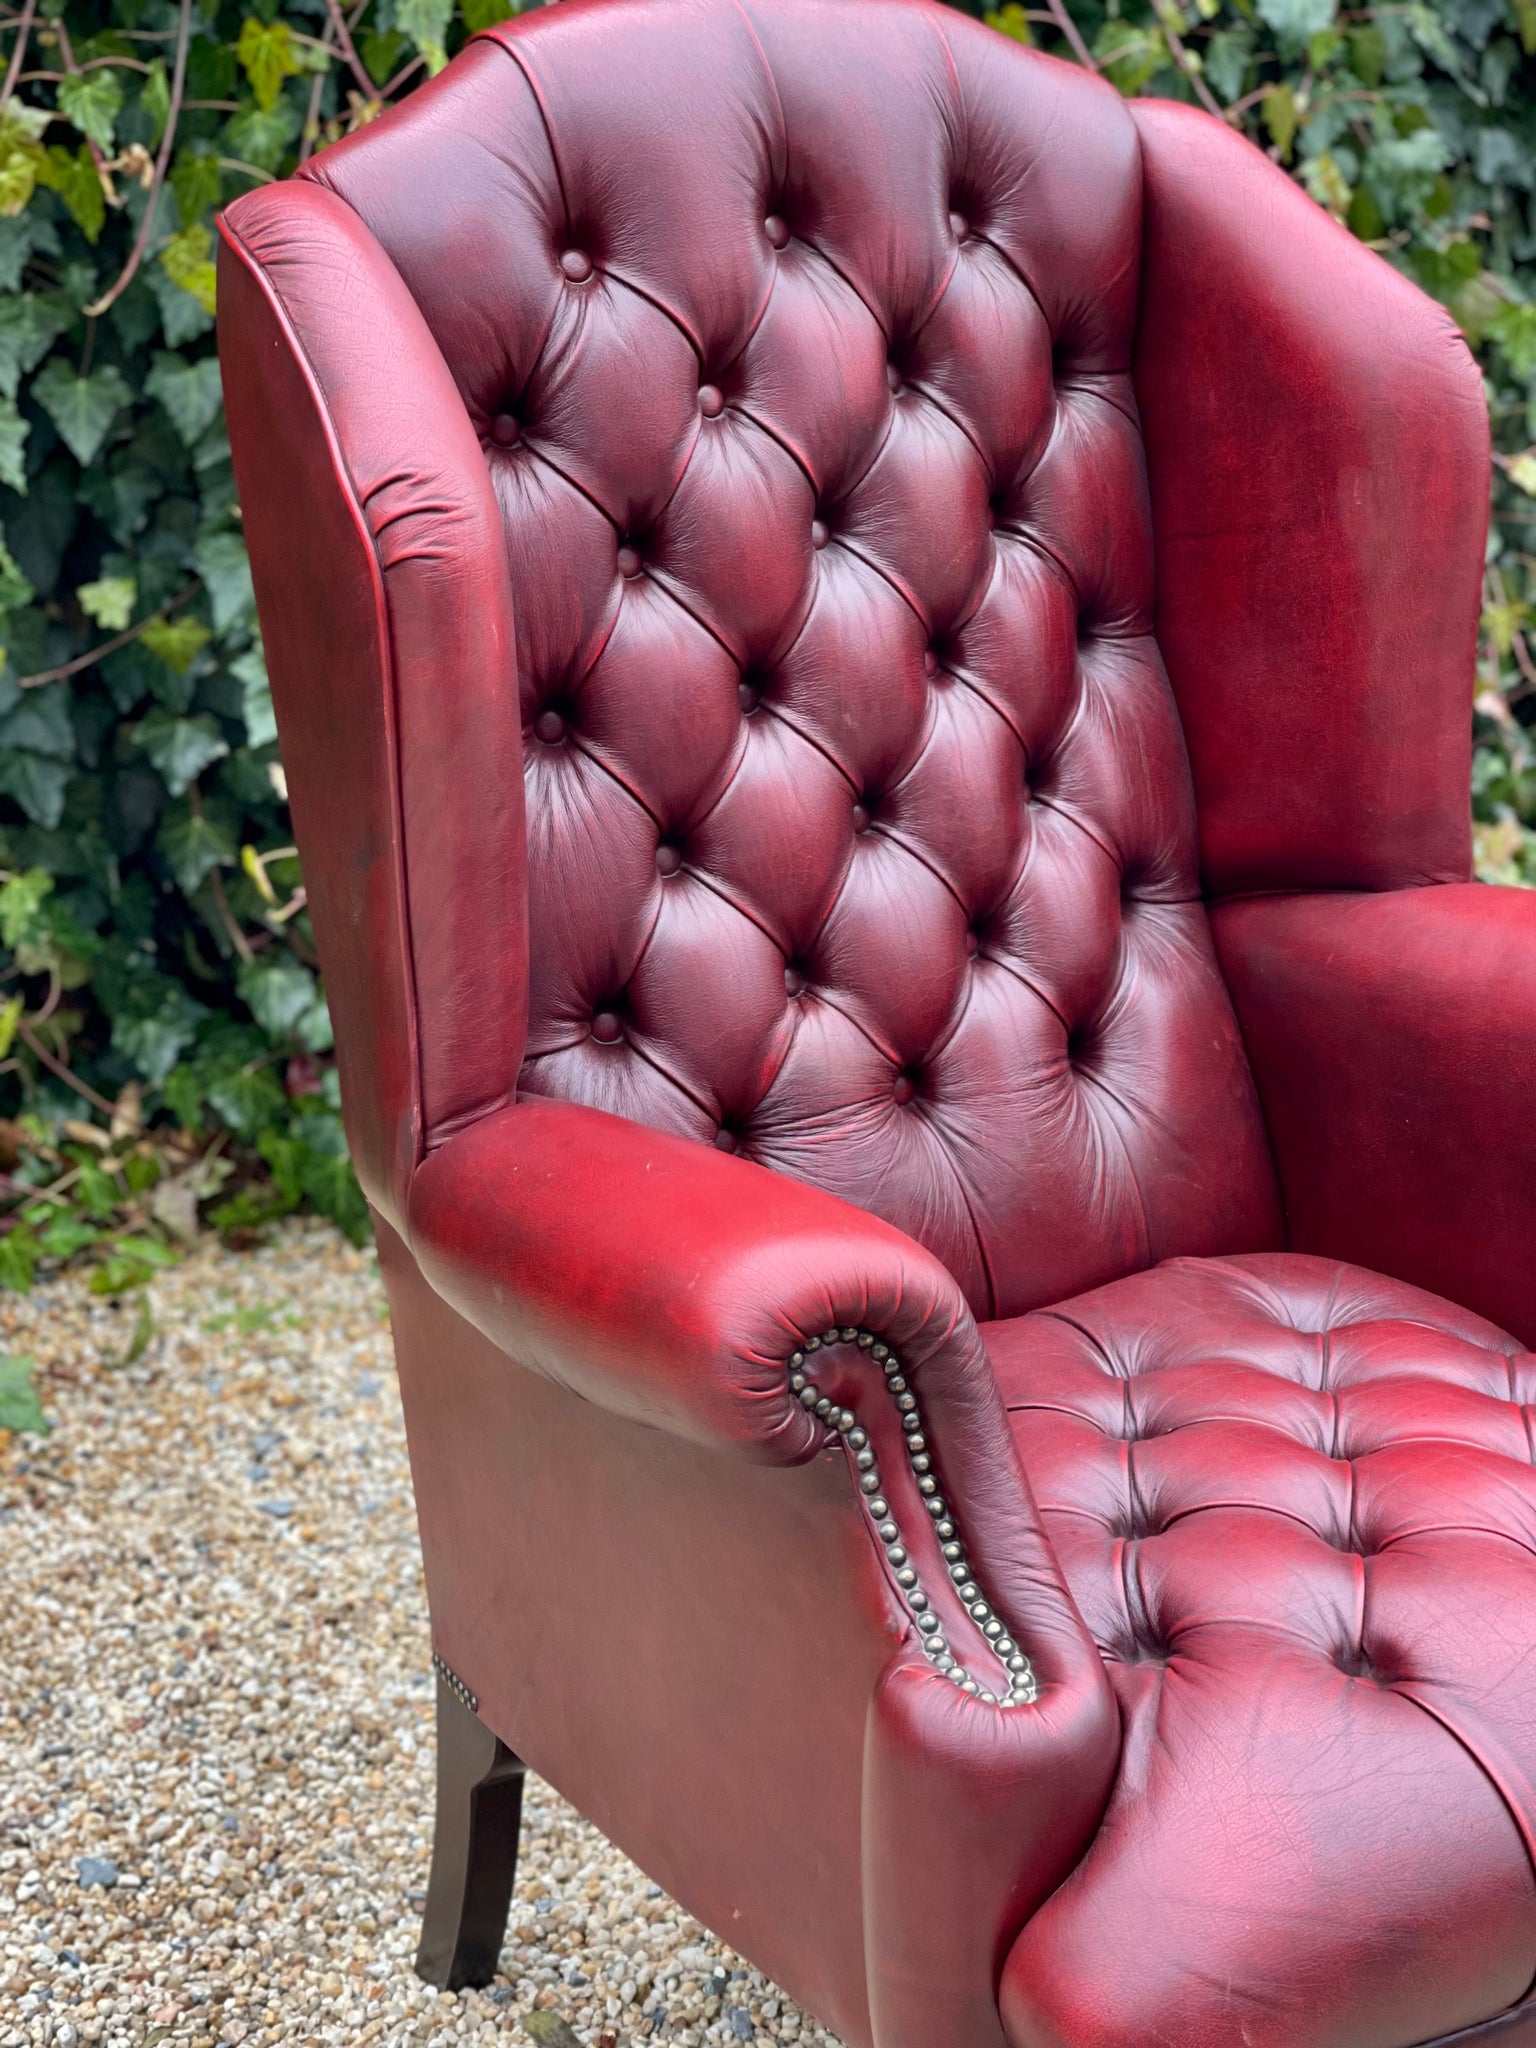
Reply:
x=669, y=1282
x=1394, y=1041
x=672, y=1285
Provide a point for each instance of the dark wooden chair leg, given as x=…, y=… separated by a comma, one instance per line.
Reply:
x=474, y=1848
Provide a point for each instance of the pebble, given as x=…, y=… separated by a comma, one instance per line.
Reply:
x=224, y=1700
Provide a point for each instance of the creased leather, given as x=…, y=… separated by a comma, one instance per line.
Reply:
x=1296, y=1504
x=386, y=613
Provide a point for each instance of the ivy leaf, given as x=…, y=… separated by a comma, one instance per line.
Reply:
x=194, y=845
x=1282, y=117
x=249, y=1099
x=479, y=14
x=176, y=642
x=1514, y=329
x=267, y=56
x=1008, y=20
x=280, y=993
x=181, y=748
x=73, y=175
x=262, y=136
x=381, y=51
x=250, y=671
x=41, y=724
x=189, y=392
x=29, y=326
x=10, y=1016
x=182, y=319
x=15, y=590
x=197, y=183
x=187, y=260
x=92, y=100
x=19, y=1405
x=21, y=155
x=109, y=601
x=1522, y=471
x=155, y=100
x=21, y=903
x=82, y=408
x=1368, y=53
x=13, y=443
x=37, y=784
x=222, y=562
x=1297, y=21
x=1328, y=184
x=1130, y=55
x=1227, y=57
x=426, y=23
x=156, y=1027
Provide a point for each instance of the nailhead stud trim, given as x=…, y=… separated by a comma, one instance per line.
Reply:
x=455, y=1684
x=1023, y=1687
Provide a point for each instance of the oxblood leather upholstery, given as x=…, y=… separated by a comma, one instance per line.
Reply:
x=755, y=395
x=1392, y=1038
x=1296, y=1506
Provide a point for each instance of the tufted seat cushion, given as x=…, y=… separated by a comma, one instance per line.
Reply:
x=1296, y=1504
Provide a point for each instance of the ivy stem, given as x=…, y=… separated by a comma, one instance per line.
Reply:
x=106, y=647
x=1191, y=70
x=348, y=50
x=1073, y=34
x=66, y=1074
x=162, y=163
x=18, y=52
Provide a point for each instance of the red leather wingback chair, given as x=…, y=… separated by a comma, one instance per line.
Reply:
x=873, y=650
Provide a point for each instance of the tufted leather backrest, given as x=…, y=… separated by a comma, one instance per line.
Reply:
x=860, y=837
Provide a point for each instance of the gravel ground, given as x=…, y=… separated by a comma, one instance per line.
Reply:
x=215, y=1711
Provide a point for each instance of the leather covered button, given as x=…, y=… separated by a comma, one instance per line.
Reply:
x=506, y=431
x=607, y=1027
x=860, y=818
x=725, y=1141
x=794, y=982
x=748, y=696
x=668, y=859
x=819, y=533
x=893, y=376
x=577, y=265
x=930, y=662
x=711, y=401
x=972, y=944
x=959, y=226
x=903, y=1088
x=549, y=726
x=628, y=561
x=777, y=231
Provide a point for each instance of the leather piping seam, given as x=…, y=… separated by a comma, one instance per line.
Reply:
x=1021, y=1687
x=390, y=695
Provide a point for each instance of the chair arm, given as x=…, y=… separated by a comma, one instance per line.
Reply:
x=671, y=1285
x=1393, y=1038
x=669, y=1282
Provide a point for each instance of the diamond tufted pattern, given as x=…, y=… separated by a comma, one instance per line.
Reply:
x=1296, y=1505
x=860, y=828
